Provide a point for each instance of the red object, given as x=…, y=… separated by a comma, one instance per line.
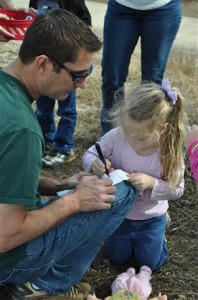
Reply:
x=17, y=24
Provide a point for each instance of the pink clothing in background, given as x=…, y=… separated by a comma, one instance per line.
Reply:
x=153, y=202
x=193, y=156
x=137, y=283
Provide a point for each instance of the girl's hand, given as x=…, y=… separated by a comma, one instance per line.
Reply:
x=141, y=181
x=98, y=167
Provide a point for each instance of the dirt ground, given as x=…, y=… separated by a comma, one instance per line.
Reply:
x=179, y=277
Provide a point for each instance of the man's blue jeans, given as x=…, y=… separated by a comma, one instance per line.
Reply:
x=58, y=259
x=123, y=26
x=62, y=136
x=143, y=241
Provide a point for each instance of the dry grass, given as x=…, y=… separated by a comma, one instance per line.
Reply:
x=190, y=8
x=179, y=278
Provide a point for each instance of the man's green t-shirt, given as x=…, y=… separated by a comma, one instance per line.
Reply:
x=21, y=148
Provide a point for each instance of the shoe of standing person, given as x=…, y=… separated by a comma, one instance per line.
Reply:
x=51, y=161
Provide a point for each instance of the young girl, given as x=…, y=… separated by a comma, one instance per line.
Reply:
x=147, y=144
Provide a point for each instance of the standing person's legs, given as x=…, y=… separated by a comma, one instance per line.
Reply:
x=66, y=126
x=58, y=259
x=158, y=31
x=63, y=136
x=120, y=38
x=45, y=115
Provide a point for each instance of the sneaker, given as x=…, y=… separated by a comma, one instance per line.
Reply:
x=58, y=159
x=25, y=291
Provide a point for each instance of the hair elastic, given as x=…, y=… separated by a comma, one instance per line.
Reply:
x=172, y=94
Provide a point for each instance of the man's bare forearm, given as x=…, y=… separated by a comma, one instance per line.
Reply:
x=28, y=225
x=22, y=226
x=49, y=186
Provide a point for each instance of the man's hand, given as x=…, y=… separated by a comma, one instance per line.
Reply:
x=141, y=181
x=94, y=194
x=49, y=186
x=71, y=182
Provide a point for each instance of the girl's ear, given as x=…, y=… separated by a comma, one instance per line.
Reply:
x=163, y=128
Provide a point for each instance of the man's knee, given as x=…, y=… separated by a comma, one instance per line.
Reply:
x=125, y=194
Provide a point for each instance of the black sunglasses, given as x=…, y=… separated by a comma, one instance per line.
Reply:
x=75, y=76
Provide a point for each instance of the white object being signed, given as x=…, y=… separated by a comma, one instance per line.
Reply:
x=116, y=176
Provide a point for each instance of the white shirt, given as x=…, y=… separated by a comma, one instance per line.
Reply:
x=143, y=4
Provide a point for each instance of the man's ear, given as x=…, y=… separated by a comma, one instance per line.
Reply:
x=163, y=128
x=43, y=64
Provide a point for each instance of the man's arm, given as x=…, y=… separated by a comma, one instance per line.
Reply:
x=49, y=186
x=22, y=225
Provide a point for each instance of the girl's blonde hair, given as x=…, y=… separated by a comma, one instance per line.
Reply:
x=150, y=102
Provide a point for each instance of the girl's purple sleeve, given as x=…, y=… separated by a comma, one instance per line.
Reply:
x=88, y=158
x=163, y=191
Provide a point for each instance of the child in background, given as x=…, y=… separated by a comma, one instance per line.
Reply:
x=131, y=286
x=147, y=143
x=59, y=139
x=192, y=149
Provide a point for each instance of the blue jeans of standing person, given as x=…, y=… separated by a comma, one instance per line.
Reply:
x=143, y=241
x=58, y=259
x=123, y=26
x=62, y=136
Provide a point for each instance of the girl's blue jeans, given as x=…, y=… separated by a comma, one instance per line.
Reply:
x=62, y=135
x=143, y=241
x=58, y=259
x=123, y=26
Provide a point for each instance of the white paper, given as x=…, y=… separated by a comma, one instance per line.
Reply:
x=65, y=192
x=117, y=176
